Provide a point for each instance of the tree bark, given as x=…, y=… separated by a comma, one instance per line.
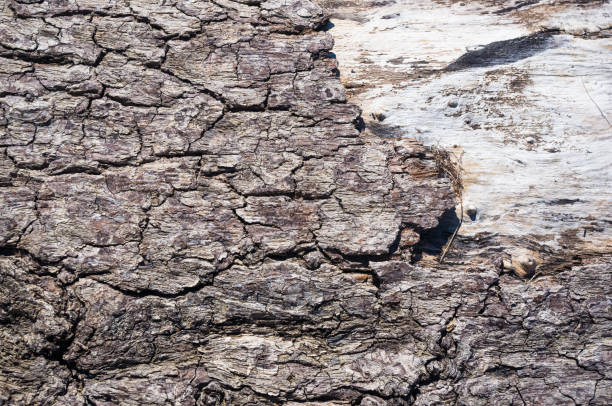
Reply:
x=192, y=214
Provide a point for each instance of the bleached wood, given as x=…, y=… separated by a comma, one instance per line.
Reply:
x=530, y=117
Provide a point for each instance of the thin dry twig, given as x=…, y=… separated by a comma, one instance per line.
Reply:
x=452, y=240
x=453, y=169
x=603, y=115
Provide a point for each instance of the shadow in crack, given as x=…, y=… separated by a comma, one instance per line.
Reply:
x=327, y=26
x=384, y=130
x=503, y=52
x=433, y=240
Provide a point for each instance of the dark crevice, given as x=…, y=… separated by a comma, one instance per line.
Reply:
x=517, y=6
x=433, y=240
x=505, y=52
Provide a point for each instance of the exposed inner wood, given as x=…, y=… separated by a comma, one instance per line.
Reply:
x=520, y=92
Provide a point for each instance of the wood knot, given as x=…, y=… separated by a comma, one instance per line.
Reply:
x=522, y=262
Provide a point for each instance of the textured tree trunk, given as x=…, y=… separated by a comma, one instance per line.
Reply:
x=191, y=213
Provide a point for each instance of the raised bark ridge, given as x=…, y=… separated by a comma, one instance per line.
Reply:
x=189, y=215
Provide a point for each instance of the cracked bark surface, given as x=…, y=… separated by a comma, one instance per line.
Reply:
x=190, y=215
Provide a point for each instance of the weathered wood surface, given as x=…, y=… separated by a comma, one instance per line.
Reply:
x=520, y=91
x=190, y=215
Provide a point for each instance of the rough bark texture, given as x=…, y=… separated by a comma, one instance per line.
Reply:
x=189, y=215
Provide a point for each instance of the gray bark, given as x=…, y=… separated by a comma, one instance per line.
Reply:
x=190, y=215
